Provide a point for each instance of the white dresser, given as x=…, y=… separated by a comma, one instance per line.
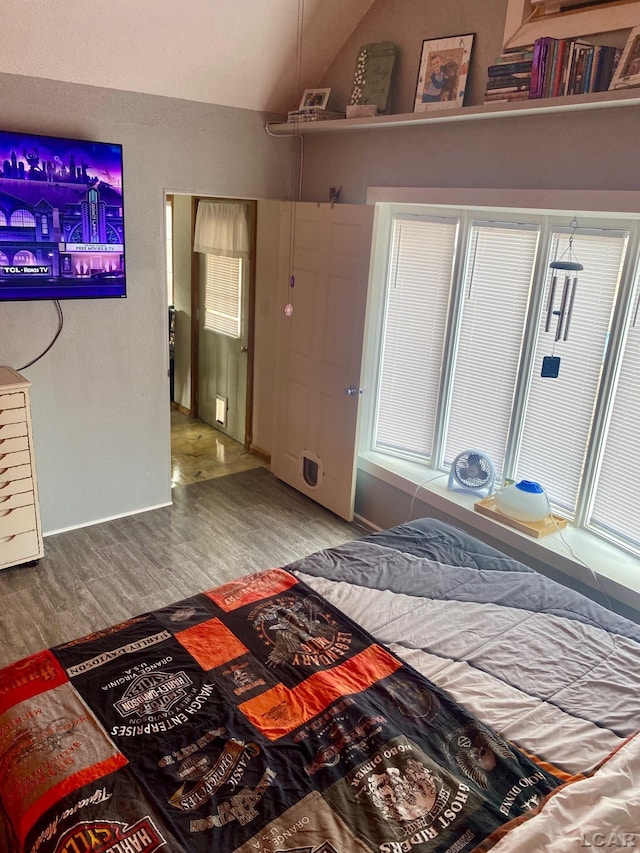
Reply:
x=20, y=531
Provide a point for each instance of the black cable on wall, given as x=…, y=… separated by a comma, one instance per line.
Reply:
x=55, y=338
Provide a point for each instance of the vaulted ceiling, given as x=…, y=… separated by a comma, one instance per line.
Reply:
x=241, y=53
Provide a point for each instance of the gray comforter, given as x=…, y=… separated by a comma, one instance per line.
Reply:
x=549, y=669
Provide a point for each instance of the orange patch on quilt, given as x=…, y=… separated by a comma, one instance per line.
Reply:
x=550, y=768
x=83, y=777
x=279, y=711
x=251, y=588
x=29, y=677
x=211, y=643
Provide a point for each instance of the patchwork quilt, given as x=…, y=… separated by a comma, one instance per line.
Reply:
x=367, y=698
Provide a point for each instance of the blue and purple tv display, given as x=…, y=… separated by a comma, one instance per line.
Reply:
x=61, y=218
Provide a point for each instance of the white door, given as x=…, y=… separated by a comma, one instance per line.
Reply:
x=222, y=361
x=320, y=354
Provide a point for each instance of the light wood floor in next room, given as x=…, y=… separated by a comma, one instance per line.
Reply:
x=215, y=531
x=200, y=452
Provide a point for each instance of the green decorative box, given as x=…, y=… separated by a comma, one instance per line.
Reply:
x=373, y=75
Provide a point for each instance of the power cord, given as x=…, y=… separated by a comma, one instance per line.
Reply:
x=415, y=494
x=55, y=338
x=295, y=135
x=577, y=558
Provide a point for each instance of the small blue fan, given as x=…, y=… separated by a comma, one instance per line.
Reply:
x=472, y=472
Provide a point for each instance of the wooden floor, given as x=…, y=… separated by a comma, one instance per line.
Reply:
x=216, y=530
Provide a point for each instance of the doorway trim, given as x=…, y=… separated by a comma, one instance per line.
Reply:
x=251, y=299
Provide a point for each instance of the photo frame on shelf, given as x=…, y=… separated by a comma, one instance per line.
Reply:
x=372, y=77
x=318, y=98
x=442, y=73
x=627, y=73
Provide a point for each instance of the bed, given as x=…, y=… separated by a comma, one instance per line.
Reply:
x=411, y=691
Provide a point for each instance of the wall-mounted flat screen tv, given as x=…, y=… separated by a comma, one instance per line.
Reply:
x=61, y=218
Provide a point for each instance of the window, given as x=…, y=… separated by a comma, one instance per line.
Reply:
x=223, y=295
x=24, y=256
x=21, y=218
x=466, y=320
x=494, y=298
x=616, y=505
x=417, y=298
x=558, y=418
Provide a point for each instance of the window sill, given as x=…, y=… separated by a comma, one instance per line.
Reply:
x=617, y=572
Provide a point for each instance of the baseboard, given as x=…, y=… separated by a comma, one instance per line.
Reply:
x=103, y=520
x=178, y=408
x=366, y=523
x=258, y=451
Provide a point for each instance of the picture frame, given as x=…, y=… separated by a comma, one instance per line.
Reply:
x=318, y=98
x=627, y=73
x=373, y=75
x=442, y=73
x=522, y=27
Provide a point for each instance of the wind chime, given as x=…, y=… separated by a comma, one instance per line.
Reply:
x=570, y=266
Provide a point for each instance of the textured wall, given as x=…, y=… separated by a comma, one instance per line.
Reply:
x=100, y=397
x=583, y=150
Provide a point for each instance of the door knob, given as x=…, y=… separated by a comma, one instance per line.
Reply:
x=244, y=349
x=354, y=391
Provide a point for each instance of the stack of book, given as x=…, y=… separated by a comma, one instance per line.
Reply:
x=571, y=67
x=312, y=114
x=509, y=78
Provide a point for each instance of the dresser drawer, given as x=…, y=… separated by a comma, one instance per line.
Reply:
x=15, y=472
x=13, y=430
x=17, y=486
x=19, y=548
x=15, y=501
x=17, y=520
x=12, y=401
x=12, y=460
x=13, y=445
x=13, y=416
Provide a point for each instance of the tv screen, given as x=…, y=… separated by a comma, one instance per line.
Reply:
x=61, y=218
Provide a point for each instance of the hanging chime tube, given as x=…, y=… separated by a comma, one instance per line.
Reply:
x=552, y=295
x=570, y=308
x=563, y=307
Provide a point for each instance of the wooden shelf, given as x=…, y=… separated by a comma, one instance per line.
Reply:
x=550, y=524
x=594, y=101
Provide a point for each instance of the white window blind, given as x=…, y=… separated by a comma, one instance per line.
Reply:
x=496, y=287
x=422, y=256
x=559, y=411
x=223, y=295
x=616, y=508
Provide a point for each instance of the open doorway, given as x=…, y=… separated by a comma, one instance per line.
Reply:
x=210, y=298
